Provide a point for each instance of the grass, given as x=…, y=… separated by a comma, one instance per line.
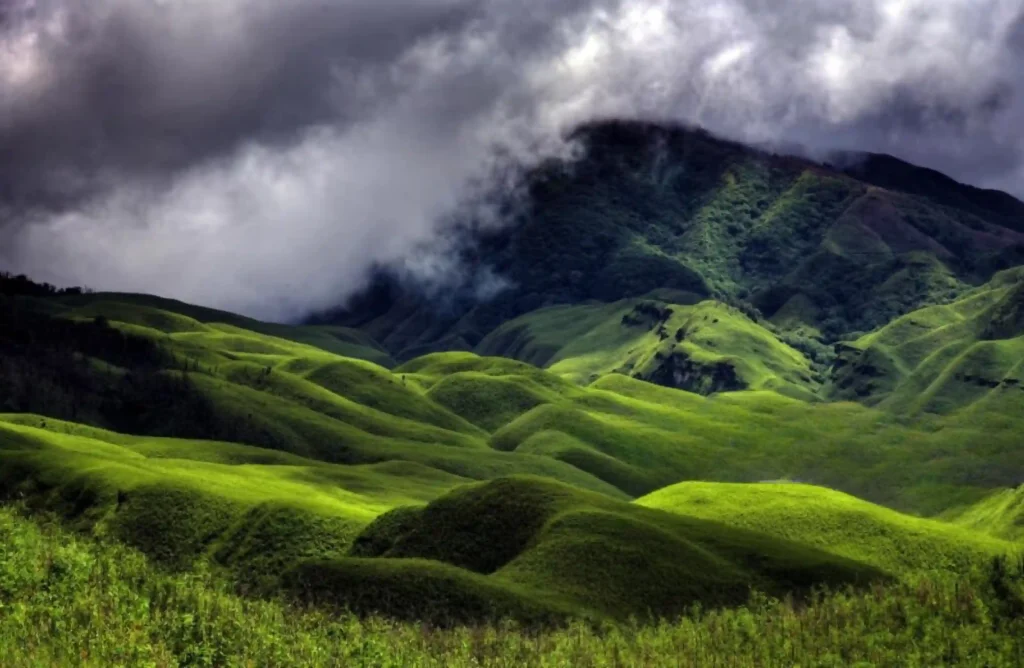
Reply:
x=341, y=483
x=168, y=315
x=178, y=499
x=1001, y=514
x=540, y=544
x=657, y=437
x=942, y=359
x=127, y=484
x=479, y=418
x=836, y=522
x=591, y=553
x=65, y=600
x=655, y=341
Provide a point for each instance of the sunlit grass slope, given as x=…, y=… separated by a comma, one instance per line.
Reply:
x=834, y=522
x=507, y=548
x=1001, y=514
x=703, y=348
x=941, y=359
x=321, y=444
x=480, y=418
x=642, y=437
x=280, y=394
x=52, y=578
x=171, y=316
x=563, y=549
x=176, y=498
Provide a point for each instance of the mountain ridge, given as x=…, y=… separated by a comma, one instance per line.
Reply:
x=652, y=207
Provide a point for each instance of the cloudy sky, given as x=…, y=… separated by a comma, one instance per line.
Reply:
x=260, y=155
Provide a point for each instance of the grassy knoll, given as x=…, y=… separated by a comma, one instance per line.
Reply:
x=573, y=550
x=178, y=499
x=169, y=315
x=836, y=522
x=182, y=500
x=703, y=348
x=642, y=437
x=65, y=600
x=944, y=358
x=1001, y=514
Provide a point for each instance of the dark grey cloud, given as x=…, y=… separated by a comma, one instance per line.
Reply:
x=148, y=88
x=261, y=155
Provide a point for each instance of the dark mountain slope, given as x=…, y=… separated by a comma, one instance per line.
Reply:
x=652, y=207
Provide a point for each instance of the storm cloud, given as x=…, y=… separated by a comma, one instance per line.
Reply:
x=262, y=156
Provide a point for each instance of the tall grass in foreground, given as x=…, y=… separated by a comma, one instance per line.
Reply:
x=65, y=600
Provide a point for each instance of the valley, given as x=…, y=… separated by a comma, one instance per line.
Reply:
x=747, y=374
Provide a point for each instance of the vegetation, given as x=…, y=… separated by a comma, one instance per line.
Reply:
x=703, y=348
x=835, y=522
x=65, y=600
x=574, y=551
x=944, y=358
x=659, y=208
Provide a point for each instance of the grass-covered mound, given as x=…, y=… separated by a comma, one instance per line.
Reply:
x=641, y=437
x=252, y=510
x=569, y=550
x=1001, y=514
x=50, y=578
x=703, y=348
x=946, y=358
x=835, y=522
x=169, y=315
x=182, y=501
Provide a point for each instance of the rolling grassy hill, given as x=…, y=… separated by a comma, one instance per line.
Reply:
x=703, y=348
x=172, y=316
x=484, y=417
x=572, y=549
x=945, y=358
x=835, y=522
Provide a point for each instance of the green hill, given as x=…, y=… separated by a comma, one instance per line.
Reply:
x=665, y=208
x=326, y=461
x=480, y=418
x=940, y=359
x=703, y=348
x=561, y=548
x=1001, y=514
x=172, y=316
x=834, y=522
